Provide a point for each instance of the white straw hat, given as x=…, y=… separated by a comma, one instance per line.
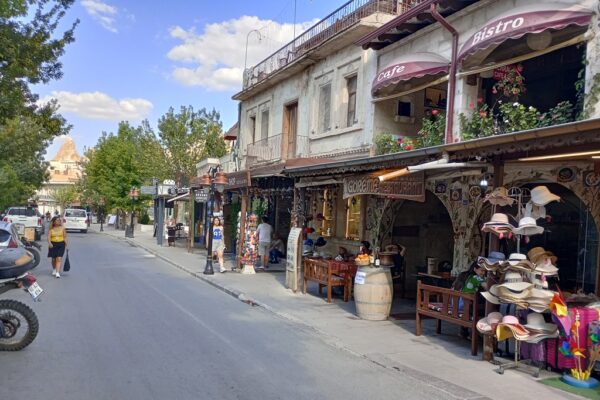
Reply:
x=541, y=195
x=528, y=227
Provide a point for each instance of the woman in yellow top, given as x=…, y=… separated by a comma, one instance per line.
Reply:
x=57, y=243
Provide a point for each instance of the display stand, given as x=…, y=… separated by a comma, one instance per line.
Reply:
x=249, y=247
x=517, y=363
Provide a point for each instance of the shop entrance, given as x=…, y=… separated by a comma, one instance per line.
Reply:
x=425, y=230
x=570, y=232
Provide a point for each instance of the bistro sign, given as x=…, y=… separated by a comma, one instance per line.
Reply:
x=411, y=187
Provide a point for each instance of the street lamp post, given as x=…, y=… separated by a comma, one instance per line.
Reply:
x=102, y=202
x=133, y=194
x=246, y=54
x=215, y=180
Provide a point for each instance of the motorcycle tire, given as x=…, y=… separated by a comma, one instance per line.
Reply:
x=12, y=315
x=36, y=256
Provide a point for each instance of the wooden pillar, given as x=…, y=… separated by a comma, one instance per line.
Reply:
x=242, y=229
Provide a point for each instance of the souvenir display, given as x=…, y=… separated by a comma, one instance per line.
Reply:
x=250, y=245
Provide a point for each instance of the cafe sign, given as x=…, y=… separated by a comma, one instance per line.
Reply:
x=238, y=179
x=410, y=187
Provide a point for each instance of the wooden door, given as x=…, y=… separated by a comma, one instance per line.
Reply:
x=290, y=128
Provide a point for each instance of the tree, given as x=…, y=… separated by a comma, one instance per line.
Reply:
x=188, y=137
x=29, y=54
x=65, y=195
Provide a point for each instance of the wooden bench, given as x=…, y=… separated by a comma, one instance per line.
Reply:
x=320, y=271
x=445, y=308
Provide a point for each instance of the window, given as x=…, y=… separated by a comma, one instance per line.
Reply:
x=264, y=125
x=404, y=109
x=351, y=88
x=353, y=218
x=253, y=128
x=325, y=108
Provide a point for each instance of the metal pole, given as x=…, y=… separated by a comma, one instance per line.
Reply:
x=131, y=224
x=246, y=54
x=161, y=221
x=208, y=270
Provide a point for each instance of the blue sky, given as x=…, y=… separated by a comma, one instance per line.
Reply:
x=132, y=60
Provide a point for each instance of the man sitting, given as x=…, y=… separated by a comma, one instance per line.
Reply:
x=276, y=249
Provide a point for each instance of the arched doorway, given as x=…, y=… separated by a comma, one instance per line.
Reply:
x=425, y=229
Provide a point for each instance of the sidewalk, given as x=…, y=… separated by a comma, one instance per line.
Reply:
x=443, y=361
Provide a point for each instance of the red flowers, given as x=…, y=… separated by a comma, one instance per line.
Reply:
x=435, y=112
x=408, y=147
x=482, y=114
x=480, y=100
x=471, y=105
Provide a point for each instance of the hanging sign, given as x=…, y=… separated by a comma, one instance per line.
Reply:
x=236, y=180
x=410, y=187
x=201, y=195
x=149, y=190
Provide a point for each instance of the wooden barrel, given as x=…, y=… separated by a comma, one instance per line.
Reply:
x=373, y=290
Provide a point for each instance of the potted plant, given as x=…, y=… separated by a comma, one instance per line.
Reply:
x=432, y=130
x=480, y=123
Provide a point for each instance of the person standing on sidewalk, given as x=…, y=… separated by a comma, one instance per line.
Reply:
x=57, y=244
x=264, y=232
x=218, y=246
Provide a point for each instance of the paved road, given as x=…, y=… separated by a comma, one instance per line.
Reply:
x=125, y=325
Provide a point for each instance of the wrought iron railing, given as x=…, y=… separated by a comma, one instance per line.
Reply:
x=341, y=19
x=268, y=149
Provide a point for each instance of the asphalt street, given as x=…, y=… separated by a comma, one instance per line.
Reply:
x=125, y=325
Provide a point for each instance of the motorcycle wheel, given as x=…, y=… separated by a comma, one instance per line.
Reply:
x=20, y=325
x=36, y=256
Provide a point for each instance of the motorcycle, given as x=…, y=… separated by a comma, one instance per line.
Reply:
x=18, y=323
x=34, y=248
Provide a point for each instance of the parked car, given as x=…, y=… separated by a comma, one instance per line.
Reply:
x=75, y=219
x=10, y=239
x=25, y=217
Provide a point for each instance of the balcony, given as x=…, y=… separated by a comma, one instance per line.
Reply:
x=270, y=149
x=352, y=18
x=227, y=163
x=265, y=150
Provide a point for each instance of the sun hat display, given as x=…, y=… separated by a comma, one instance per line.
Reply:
x=498, y=220
x=499, y=197
x=514, y=281
x=528, y=227
x=494, y=257
x=541, y=195
x=520, y=261
x=489, y=323
x=539, y=253
x=320, y=242
x=536, y=212
x=536, y=322
x=509, y=328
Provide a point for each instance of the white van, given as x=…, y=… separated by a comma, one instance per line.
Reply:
x=75, y=219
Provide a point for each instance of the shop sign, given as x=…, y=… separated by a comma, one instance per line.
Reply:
x=201, y=195
x=238, y=180
x=359, y=279
x=498, y=28
x=292, y=273
x=411, y=187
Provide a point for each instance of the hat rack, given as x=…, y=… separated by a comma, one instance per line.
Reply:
x=521, y=197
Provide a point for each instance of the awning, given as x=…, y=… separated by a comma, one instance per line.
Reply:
x=312, y=182
x=409, y=67
x=180, y=197
x=519, y=21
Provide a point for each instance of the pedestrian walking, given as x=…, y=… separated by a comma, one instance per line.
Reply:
x=218, y=245
x=264, y=232
x=57, y=244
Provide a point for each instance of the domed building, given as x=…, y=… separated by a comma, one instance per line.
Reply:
x=65, y=170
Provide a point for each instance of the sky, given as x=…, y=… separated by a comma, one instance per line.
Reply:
x=133, y=60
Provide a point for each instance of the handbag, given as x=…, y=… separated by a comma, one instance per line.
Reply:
x=67, y=265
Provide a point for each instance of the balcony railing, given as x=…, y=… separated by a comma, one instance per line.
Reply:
x=268, y=149
x=341, y=19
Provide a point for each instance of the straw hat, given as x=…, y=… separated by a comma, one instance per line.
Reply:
x=488, y=323
x=510, y=327
x=519, y=261
x=499, y=197
x=528, y=227
x=490, y=297
x=513, y=281
x=541, y=195
x=536, y=322
x=539, y=253
x=494, y=257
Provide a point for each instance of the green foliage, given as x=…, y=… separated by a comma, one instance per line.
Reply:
x=188, y=137
x=144, y=219
x=65, y=195
x=30, y=47
x=260, y=207
x=432, y=131
x=479, y=124
x=562, y=113
x=517, y=117
x=233, y=219
x=592, y=97
x=386, y=143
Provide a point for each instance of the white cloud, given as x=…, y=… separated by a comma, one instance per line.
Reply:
x=103, y=13
x=215, y=58
x=98, y=105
